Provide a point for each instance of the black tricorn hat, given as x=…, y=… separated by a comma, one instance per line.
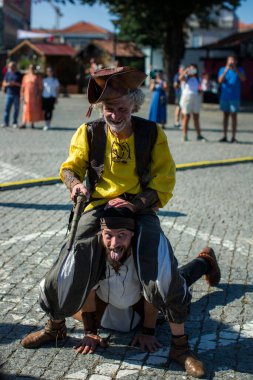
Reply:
x=116, y=218
x=110, y=84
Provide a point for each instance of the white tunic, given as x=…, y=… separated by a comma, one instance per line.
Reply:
x=120, y=290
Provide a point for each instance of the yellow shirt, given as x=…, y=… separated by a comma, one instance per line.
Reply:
x=119, y=175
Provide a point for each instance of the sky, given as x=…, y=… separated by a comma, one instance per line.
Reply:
x=43, y=15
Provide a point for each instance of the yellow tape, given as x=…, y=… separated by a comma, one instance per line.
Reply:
x=30, y=182
x=227, y=161
x=185, y=166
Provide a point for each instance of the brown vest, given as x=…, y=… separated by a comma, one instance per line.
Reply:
x=145, y=135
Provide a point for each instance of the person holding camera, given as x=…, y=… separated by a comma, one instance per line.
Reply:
x=230, y=78
x=190, y=100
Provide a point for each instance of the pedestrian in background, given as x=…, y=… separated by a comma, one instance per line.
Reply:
x=230, y=78
x=190, y=100
x=4, y=70
x=93, y=66
x=158, y=106
x=31, y=91
x=11, y=86
x=152, y=73
x=50, y=94
x=178, y=92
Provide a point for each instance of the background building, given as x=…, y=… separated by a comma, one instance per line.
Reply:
x=14, y=15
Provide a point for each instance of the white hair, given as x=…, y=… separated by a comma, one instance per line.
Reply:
x=136, y=97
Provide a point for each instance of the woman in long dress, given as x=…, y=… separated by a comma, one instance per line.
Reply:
x=31, y=91
x=158, y=106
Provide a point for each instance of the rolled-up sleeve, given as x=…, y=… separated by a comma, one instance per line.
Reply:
x=78, y=158
x=163, y=169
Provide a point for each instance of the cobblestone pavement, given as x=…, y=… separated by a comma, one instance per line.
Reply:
x=211, y=206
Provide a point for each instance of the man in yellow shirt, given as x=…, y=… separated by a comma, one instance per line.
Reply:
x=126, y=163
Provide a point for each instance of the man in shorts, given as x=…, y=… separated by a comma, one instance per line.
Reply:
x=230, y=78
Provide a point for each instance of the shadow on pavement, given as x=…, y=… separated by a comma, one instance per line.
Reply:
x=6, y=376
x=62, y=129
x=36, y=206
x=221, y=357
x=68, y=207
x=170, y=214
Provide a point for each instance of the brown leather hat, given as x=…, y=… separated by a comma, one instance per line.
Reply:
x=109, y=84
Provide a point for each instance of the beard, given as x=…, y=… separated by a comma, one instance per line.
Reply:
x=118, y=127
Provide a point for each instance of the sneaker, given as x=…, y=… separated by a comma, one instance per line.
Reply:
x=201, y=138
x=224, y=139
x=45, y=128
x=4, y=125
x=233, y=140
x=14, y=125
x=214, y=275
x=177, y=125
x=22, y=126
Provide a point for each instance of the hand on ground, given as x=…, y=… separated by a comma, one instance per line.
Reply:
x=146, y=343
x=89, y=344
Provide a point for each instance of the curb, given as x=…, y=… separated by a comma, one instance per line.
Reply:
x=179, y=167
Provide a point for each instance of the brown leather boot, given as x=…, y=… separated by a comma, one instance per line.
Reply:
x=180, y=352
x=214, y=275
x=53, y=331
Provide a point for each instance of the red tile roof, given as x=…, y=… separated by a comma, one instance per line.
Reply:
x=123, y=49
x=55, y=49
x=46, y=48
x=81, y=27
x=242, y=26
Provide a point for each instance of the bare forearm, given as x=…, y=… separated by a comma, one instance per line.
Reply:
x=150, y=315
x=70, y=179
x=222, y=77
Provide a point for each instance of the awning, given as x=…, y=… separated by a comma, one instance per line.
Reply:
x=24, y=34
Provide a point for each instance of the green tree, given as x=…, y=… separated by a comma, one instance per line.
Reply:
x=161, y=23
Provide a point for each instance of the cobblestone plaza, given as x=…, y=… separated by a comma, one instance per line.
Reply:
x=211, y=206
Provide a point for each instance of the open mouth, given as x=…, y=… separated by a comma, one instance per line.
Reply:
x=116, y=254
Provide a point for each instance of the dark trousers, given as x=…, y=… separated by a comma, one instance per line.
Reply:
x=48, y=107
x=194, y=270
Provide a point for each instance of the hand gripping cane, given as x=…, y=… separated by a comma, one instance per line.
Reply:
x=79, y=206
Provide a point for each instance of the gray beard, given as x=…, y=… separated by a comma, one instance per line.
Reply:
x=116, y=129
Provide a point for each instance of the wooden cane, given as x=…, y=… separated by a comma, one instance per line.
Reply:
x=81, y=199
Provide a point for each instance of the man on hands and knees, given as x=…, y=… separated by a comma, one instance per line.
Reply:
x=117, y=301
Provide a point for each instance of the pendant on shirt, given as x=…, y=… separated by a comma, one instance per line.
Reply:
x=120, y=152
